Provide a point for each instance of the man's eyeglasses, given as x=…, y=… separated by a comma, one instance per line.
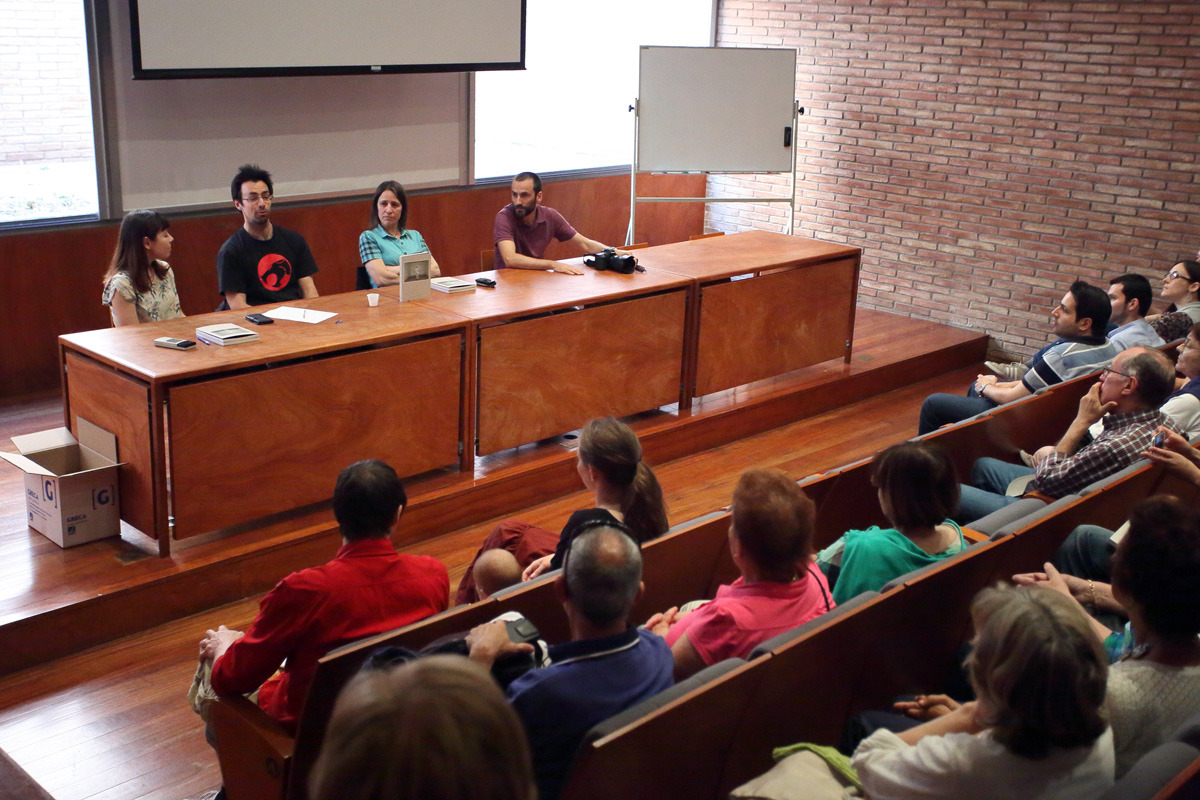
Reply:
x=1107, y=371
x=254, y=198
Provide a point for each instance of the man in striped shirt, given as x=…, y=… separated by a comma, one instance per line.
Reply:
x=1079, y=319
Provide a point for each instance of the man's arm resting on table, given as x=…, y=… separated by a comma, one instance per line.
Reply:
x=588, y=246
x=308, y=287
x=236, y=299
x=514, y=260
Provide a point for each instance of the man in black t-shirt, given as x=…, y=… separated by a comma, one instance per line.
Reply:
x=262, y=262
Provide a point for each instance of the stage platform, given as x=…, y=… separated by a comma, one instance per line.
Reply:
x=54, y=602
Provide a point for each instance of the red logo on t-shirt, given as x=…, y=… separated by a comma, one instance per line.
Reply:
x=274, y=272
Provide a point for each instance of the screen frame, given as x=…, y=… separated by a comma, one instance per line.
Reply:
x=143, y=73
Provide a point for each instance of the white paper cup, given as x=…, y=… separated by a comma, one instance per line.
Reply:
x=372, y=299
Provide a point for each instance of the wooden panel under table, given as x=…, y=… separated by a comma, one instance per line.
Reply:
x=544, y=376
x=271, y=440
x=121, y=405
x=771, y=324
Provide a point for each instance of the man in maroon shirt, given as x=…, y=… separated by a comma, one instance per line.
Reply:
x=524, y=229
x=367, y=588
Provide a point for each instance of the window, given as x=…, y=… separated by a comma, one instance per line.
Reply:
x=568, y=109
x=47, y=149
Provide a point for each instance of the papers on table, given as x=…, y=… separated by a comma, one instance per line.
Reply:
x=300, y=314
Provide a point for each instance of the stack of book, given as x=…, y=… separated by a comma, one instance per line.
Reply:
x=451, y=285
x=225, y=333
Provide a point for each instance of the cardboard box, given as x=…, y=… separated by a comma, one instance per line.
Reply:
x=70, y=486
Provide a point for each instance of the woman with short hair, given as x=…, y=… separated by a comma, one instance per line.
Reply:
x=918, y=492
x=1037, y=730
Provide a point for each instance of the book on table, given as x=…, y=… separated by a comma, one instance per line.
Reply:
x=225, y=333
x=451, y=285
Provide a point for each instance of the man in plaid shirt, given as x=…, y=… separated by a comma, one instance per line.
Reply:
x=1126, y=398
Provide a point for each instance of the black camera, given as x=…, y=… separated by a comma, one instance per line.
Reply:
x=608, y=259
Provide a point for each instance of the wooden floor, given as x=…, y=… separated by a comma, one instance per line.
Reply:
x=111, y=722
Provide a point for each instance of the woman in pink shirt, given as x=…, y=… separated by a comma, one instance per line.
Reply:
x=770, y=539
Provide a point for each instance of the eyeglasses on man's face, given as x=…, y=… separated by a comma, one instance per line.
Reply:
x=1109, y=371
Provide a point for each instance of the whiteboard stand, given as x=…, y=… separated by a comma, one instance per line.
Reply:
x=735, y=113
x=797, y=110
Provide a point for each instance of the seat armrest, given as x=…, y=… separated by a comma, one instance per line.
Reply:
x=254, y=750
x=974, y=536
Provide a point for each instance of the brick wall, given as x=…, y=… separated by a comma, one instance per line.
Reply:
x=45, y=111
x=986, y=153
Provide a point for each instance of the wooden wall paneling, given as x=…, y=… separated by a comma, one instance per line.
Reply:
x=121, y=406
x=544, y=376
x=772, y=324
x=51, y=284
x=298, y=425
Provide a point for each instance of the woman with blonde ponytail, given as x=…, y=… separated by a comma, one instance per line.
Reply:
x=625, y=492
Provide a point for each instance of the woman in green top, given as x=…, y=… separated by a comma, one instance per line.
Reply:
x=918, y=492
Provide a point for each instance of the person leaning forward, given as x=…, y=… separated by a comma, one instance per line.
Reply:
x=524, y=229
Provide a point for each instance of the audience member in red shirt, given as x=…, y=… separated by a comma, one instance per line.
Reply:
x=367, y=588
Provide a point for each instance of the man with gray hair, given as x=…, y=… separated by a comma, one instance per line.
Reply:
x=607, y=666
x=1127, y=398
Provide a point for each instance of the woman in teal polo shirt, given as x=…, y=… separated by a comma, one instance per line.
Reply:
x=381, y=247
x=918, y=492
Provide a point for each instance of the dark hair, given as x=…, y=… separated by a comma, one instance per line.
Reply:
x=366, y=499
x=249, y=173
x=919, y=482
x=603, y=573
x=1155, y=376
x=772, y=519
x=612, y=448
x=1038, y=669
x=1135, y=287
x=437, y=728
x=1192, y=268
x=396, y=189
x=1158, y=565
x=130, y=256
x=530, y=176
x=1093, y=304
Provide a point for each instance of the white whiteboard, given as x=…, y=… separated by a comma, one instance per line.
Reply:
x=223, y=37
x=178, y=143
x=715, y=109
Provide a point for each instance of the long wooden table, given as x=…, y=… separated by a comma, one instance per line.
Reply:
x=797, y=311
x=554, y=350
x=216, y=436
